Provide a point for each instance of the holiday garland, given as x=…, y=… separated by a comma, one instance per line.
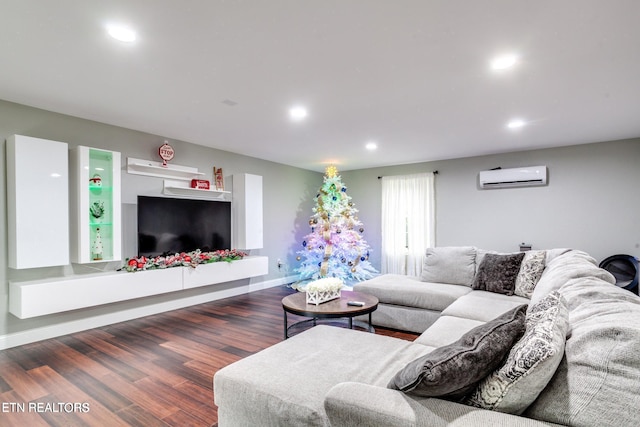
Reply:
x=184, y=259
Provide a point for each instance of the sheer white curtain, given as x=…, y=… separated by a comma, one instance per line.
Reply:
x=408, y=222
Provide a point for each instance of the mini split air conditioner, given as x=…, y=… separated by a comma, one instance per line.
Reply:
x=515, y=177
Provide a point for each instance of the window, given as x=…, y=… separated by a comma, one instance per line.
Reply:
x=408, y=222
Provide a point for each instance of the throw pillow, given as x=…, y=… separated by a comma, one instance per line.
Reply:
x=531, y=362
x=455, y=265
x=498, y=273
x=531, y=269
x=454, y=370
x=480, y=254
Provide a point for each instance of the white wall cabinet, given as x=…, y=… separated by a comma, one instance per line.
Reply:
x=96, y=217
x=246, y=208
x=37, y=202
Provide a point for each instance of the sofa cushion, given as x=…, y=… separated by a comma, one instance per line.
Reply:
x=554, y=253
x=409, y=291
x=482, y=305
x=352, y=404
x=561, y=269
x=453, y=370
x=596, y=383
x=531, y=362
x=403, y=318
x=530, y=271
x=498, y=272
x=285, y=384
x=446, y=330
x=455, y=265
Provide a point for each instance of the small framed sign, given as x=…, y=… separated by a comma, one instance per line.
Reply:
x=166, y=153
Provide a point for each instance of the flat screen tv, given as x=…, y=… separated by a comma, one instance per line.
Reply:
x=169, y=225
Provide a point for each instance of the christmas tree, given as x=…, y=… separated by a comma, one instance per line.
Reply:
x=335, y=247
x=96, y=249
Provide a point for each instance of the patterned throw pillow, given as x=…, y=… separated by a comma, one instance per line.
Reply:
x=454, y=370
x=531, y=362
x=530, y=271
x=498, y=272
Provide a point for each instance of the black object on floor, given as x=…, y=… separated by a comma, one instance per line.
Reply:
x=625, y=269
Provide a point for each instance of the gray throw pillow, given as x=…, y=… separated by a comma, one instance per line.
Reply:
x=531, y=362
x=454, y=370
x=531, y=270
x=498, y=273
x=455, y=265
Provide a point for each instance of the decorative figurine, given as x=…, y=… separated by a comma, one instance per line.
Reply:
x=96, y=248
x=166, y=153
x=97, y=210
x=95, y=181
x=218, y=178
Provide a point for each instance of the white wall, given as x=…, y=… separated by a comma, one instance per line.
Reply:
x=287, y=205
x=591, y=202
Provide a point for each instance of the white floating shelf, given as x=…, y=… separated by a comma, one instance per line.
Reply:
x=151, y=168
x=181, y=188
x=47, y=296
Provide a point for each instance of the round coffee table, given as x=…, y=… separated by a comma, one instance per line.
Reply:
x=334, y=309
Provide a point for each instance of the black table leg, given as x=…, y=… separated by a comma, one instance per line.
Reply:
x=285, y=324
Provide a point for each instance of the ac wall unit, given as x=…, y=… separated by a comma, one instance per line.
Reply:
x=515, y=177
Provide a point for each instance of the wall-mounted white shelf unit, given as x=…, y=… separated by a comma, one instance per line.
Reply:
x=37, y=202
x=182, y=188
x=95, y=177
x=151, y=168
x=247, y=224
x=47, y=296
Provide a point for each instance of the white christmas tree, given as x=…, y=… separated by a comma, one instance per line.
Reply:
x=97, y=248
x=335, y=247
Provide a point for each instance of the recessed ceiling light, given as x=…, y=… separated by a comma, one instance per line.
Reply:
x=504, y=62
x=298, y=113
x=371, y=146
x=516, y=124
x=122, y=33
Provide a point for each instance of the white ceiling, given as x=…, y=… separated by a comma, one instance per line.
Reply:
x=412, y=75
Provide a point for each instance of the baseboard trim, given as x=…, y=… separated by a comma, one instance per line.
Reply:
x=64, y=328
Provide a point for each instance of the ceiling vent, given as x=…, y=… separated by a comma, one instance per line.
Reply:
x=516, y=177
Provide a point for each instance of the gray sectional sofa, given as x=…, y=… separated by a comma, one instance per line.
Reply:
x=408, y=305
x=573, y=359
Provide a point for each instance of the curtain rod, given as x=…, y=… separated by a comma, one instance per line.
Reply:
x=434, y=172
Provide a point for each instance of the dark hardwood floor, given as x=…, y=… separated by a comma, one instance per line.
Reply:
x=153, y=371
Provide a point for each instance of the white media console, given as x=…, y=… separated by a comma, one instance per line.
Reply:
x=46, y=296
